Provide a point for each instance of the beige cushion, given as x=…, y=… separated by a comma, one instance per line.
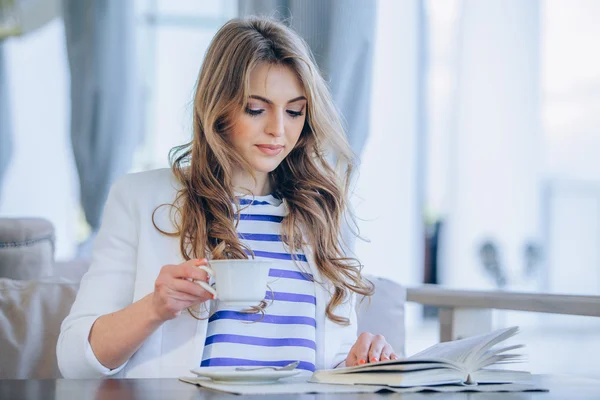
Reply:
x=26, y=248
x=30, y=316
x=385, y=313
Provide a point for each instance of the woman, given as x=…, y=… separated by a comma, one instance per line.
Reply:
x=254, y=181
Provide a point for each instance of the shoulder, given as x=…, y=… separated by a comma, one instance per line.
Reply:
x=157, y=178
x=153, y=186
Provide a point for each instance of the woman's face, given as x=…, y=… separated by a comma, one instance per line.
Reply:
x=269, y=127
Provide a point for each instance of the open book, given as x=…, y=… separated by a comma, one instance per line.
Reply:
x=461, y=361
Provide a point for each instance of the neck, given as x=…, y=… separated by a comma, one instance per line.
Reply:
x=243, y=182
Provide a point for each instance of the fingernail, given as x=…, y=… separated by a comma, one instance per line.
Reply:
x=394, y=357
x=361, y=361
x=385, y=358
x=374, y=359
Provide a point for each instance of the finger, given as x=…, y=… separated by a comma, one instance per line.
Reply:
x=386, y=352
x=175, y=295
x=190, y=270
x=205, y=277
x=393, y=356
x=361, y=348
x=190, y=288
x=195, y=262
x=351, y=360
x=377, y=344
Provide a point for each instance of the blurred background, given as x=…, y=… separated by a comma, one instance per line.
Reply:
x=477, y=123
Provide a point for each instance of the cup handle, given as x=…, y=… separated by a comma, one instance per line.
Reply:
x=205, y=285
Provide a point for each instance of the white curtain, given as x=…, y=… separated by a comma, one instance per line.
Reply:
x=105, y=114
x=17, y=17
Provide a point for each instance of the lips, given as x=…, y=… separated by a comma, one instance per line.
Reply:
x=270, y=149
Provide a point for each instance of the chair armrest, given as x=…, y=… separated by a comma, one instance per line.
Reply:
x=467, y=312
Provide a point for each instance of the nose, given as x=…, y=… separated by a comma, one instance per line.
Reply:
x=275, y=125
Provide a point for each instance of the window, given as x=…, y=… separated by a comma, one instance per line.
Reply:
x=173, y=37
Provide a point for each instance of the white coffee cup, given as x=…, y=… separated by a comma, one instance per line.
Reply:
x=238, y=282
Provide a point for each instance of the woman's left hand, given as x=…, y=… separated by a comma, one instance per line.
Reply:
x=370, y=348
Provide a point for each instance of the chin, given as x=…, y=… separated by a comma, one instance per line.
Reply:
x=265, y=167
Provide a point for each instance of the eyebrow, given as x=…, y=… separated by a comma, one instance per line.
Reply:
x=270, y=102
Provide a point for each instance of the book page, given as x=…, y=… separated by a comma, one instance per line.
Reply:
x=395, y=366
x=499, y=356
x=465, y=351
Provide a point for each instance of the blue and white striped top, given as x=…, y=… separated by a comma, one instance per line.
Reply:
x=287, y=331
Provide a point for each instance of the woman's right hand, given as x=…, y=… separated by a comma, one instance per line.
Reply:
x=175, y=291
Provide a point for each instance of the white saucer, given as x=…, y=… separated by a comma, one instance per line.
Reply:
x=231, y=376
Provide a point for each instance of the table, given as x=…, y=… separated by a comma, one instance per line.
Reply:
x=561, y=387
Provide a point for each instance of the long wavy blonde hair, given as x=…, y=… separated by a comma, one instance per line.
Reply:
x=315, y=193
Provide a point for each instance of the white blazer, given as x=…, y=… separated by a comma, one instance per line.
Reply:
x=128, y=255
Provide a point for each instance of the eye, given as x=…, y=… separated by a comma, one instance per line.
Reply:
x=295, y=114
x=253, y=113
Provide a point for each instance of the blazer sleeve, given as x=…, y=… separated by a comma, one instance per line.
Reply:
x=107, y=287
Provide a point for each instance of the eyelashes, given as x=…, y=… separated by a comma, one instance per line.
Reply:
x=295, y=114
x=254, y=113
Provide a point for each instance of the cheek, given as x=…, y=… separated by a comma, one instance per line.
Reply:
x=242, y=132
x=246, y=123
x=296, y=130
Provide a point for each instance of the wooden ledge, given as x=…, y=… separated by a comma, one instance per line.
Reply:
x=440, y=296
